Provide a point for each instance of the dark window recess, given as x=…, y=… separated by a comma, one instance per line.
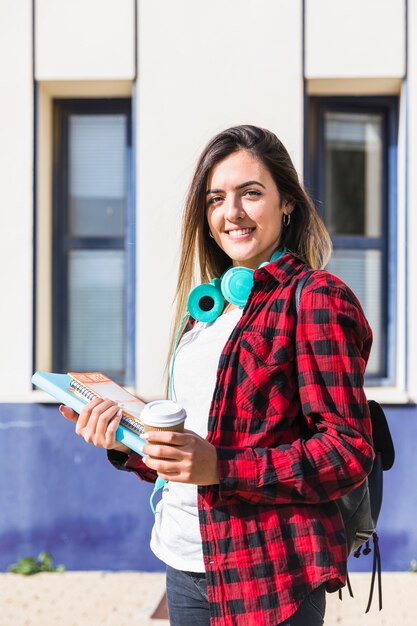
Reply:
x=93, y=279
x=351, y=175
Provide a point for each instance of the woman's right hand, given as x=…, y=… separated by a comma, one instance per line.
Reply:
x=97, y=423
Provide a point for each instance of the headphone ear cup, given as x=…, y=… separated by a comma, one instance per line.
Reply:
x=205, y=302
x=236, y=284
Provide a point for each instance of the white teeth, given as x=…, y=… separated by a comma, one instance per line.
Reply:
x=240, y=232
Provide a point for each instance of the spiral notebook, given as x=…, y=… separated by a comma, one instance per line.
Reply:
x=76, y=389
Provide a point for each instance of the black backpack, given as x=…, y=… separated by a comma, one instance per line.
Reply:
x=360, y=507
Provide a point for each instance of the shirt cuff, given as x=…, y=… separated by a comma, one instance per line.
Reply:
x=118, y=460
x=238, y=472
x=131, y=463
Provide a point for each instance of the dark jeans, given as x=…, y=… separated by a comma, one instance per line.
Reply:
x=188, y=603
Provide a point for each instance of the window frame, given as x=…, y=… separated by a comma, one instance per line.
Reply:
x=388, y=107
x=63, y=243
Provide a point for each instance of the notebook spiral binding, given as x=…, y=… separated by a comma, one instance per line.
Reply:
x=83, y=391
x=130, y=423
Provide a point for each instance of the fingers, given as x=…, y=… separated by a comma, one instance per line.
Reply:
x=101, y=416
x=169, y=437
x=160, y=451
x=110, y=434
x=169, y=474
x=68, y=413
x=165, y=468
x=168, y=444
x=171, y=462
x=94, y=422
x=86, y=415
x=191, y=459
x=97, y=423
x=164, y=457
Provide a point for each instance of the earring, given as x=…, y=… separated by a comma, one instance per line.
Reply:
x=286, y=219
x=211, y=234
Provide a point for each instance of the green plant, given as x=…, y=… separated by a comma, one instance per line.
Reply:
x=413, y=565
x=28, y=565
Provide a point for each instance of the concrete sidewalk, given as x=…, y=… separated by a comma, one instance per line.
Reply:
x=130, y=598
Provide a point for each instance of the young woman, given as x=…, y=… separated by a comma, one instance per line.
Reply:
x=278, y=425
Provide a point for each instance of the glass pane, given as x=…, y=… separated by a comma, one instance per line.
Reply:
x=97, y=175
x=353, y=173
x=362, y=271
x=96, y=320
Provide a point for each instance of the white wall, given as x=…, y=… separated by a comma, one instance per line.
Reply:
x=355, y=38
x=201, y=69
x=16, y=207
x=85, y=39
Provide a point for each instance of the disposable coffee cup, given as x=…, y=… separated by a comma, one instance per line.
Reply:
x=163, y=415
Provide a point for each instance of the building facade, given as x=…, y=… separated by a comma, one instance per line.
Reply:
x=106, y=106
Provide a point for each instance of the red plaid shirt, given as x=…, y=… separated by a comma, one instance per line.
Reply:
x=290, y=422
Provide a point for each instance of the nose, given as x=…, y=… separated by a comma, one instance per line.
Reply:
x=233, y=208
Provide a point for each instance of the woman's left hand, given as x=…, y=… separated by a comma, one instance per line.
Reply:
x=182, y=457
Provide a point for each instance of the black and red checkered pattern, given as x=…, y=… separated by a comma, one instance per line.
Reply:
x=290, y=422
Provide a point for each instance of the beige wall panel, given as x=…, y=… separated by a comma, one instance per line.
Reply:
x=202, y=68
x=354, y=86
x=47, y=91
x=355, y=38
x=85, y=39
x=16, y=208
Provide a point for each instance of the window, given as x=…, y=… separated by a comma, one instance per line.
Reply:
x=352, y=177
x=93, y=280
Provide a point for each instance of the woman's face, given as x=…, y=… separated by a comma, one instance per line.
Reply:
x=244, y=209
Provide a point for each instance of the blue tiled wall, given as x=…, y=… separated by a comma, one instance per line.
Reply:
x=397, y=526
x=59, y=494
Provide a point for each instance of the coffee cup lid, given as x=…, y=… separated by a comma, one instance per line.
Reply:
x=162, y=413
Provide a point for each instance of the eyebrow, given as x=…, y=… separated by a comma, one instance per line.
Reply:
x=241, y=186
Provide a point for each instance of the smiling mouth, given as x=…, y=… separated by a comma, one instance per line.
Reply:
x=240, y=232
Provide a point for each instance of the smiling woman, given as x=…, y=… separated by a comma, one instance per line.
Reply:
x=278, y=424
x=263, y=439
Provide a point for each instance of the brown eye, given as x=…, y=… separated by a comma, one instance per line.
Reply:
x=214, y=200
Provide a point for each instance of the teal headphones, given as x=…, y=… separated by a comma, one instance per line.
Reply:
x=206, y=302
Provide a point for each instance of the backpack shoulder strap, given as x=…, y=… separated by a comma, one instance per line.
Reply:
x=371, y=504
x=299, y=288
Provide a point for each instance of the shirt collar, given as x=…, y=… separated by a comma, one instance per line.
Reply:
x=281, y=270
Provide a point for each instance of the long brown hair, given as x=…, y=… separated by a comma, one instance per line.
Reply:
x=306, y=234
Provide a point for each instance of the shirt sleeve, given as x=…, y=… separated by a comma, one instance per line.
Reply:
x=333, y=340
x=131, y=463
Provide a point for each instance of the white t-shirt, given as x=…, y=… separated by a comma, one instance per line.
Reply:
x=176, y=538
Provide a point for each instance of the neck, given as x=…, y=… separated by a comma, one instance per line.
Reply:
x=229, y=307
x=255, y=264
